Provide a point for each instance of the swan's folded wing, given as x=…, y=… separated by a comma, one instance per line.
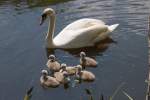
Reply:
x=79, y=37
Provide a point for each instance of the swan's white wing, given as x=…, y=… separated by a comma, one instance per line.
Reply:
x=75, y=38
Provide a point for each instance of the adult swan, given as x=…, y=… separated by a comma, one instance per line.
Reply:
x=81, y=33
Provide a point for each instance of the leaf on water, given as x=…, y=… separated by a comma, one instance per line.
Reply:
x=129, y=97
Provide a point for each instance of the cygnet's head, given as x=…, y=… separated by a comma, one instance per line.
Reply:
x=79, y=68
x=82, y=54
x=52, y=57
x=63, y=66
x=44, y=72
x=47, y=12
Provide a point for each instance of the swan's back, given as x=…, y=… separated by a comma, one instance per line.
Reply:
x=83, y=23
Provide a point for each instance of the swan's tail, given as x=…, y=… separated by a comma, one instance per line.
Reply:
x=112, y=27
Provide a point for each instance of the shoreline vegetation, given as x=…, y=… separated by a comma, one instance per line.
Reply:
x=89, y=93
x=148, y=79
x=33, y=3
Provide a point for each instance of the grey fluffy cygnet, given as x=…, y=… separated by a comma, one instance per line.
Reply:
x=62, y=76
x=87, y=61
x=71, y=70
x=84, y=75
x=52, y=64
x=48, y=81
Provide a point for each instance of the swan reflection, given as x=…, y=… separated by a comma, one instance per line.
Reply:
x=98, y=49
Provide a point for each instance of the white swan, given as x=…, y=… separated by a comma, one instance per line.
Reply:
x=81, y=33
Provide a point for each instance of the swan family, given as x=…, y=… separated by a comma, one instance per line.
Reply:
x=84, y=32
x=64, y=72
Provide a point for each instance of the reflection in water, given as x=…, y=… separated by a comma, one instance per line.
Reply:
x=39, y=3
x=49, y=52
x=90, y=51
x=66, y=86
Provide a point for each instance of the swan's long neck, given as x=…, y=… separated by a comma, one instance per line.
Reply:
x=51, y=27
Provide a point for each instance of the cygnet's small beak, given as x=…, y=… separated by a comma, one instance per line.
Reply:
x=43, y=18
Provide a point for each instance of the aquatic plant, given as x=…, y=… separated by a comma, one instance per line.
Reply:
x=101, y=97
x=28, y=94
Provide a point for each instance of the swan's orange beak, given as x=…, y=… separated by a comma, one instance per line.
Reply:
x=43, y=18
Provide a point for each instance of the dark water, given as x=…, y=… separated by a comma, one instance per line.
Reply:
x=23, y=53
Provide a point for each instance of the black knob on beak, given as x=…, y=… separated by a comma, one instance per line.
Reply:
x=44, y=16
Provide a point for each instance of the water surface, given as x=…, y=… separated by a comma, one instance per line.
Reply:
x=23, y=52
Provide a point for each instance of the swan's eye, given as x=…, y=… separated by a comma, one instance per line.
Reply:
x=44, y=16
